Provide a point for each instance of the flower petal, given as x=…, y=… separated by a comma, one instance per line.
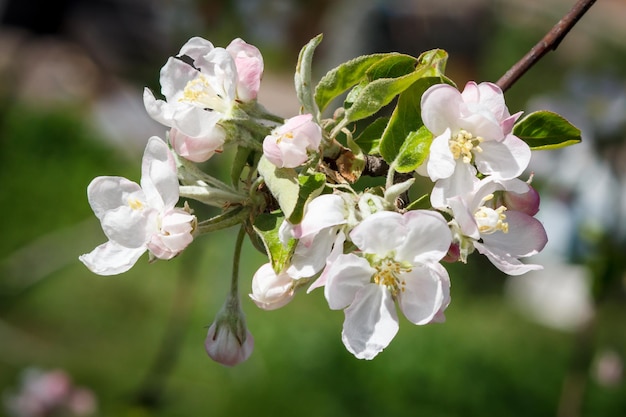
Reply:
x=111, y=258
x=371, y=322
x=426, y=290
x=526, y=236
x=345, y=277
x=441, y=163
x=109, y=193
x=505, y=159
x=428, y=237
x=462, y=181
x=441, y=108
x=324, y=211
x=504, y=261
x=158, y=175
x=381, y=233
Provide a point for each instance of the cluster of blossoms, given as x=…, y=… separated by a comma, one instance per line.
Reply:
x=296, y=193
x=48, y=393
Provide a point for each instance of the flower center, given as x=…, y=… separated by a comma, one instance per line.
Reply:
x=200, y=93
x=463, y=144
x=285, y=136
x=389, y=274
x=135, y=204
x=491, y=220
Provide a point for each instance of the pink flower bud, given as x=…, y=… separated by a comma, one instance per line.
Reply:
x=271, y=291
x=228, y=341
x=287, y=146
x=198, y=149
x=527, y=202
x=175, y=234
x=249, y=64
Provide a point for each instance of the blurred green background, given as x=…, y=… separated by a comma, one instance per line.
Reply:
x=70, y=110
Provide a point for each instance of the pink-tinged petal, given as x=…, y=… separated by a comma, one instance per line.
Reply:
x=381, y=233
x=196, y=47
x=505, y=159
x=345, y=277
x=326, y=210
x=526, y=236
x=483, y=125
x=199, y=123
x=284, y=153
x=426, y=289
x=504, y=261
x=441, y=162
x=509, y=123
x=111, y=258
x=428, y=237
x=462, y=181
x=197, y=149
x=486, y=98
x=441, y=108
x=249, y=63
x=109, y=193
x=371, y=322
x=525, y=202
x=159, y=180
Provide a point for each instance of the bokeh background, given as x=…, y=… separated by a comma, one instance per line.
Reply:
x=71, y=79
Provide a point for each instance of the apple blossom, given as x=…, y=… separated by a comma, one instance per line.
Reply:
x=271, y=290
x=503, y=235
x=397, y=260
x=288, y=145
x=472, y=134
x=139, y=218
x=200, y=94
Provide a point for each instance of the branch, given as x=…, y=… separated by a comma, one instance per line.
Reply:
x=549, y=42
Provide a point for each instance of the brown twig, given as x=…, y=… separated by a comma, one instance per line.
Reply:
x=549, y=43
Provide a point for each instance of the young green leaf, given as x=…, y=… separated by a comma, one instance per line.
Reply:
x=302, y=78
x=266, y=226
x=341, y=78
x=369, y=139
x=546, y=130
x=310, y=187
x=414, y=150
x=283, y=184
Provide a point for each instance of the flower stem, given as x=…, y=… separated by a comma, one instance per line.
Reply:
x=234, y=280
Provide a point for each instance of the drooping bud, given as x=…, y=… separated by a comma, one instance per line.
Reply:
x=228, y=340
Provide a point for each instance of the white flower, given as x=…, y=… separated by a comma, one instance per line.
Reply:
x=288, y=145
x=472, y=133
x=397, y=260
x=270, y=290
x=503, y=235
x=139, y=218
x=199, y=96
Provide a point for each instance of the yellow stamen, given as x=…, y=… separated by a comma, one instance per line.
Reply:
x=463, y=144
x=135, y=204
x=388, y=273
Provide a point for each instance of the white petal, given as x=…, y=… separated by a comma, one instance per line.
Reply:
x=441, y=108
x=309, y=260
x=461, y=182
x=380, y=233
x=505, y=159
x=324, y=211
x=129, y=227
x=158, y=175
x=427, y=237
x=109, y=193
x=345, y=277
x=441, y=163
x=111, y=258
x=196, y=47
x=174, y=77
x=424, y=294
x=371, y=322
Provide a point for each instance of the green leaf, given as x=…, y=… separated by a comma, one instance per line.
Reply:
x=242, y=159
x=310, y=187
x=435, y=60
x=369, y=139
x=342, y=77
x=414, y=150
x=392, y=66
x=282, y=183
x=546, y=130
x=302, y=78
x=405, y=120
x=267, y=225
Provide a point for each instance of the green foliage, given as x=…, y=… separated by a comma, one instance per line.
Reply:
x=266, y=225
x=303, y=83
x=546, y=130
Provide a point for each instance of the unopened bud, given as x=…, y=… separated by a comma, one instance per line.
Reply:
x=228, y=341
x=270, y=290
